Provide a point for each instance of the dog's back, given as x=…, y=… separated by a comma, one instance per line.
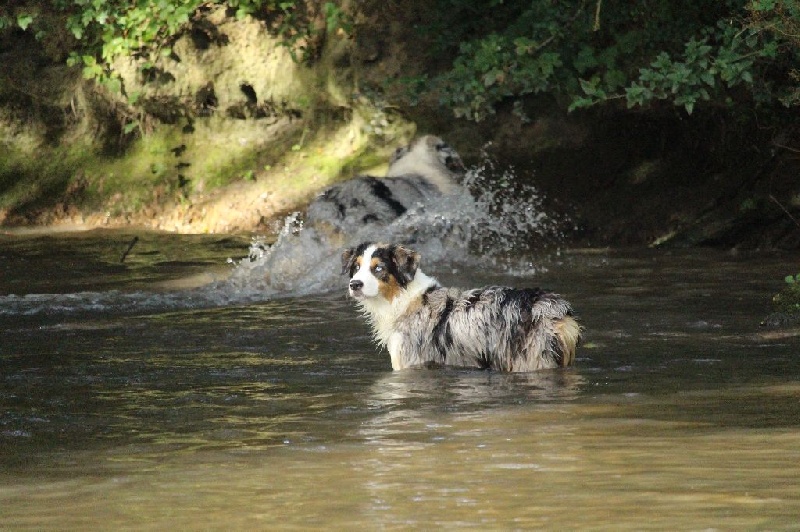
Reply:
x=368, y=200
x=492, y=328
x=418, y=173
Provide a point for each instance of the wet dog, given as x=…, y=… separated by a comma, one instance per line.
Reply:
x=304, y=256
x=419, y=172
x=422, y=323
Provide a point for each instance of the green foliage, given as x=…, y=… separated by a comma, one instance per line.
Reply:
x=780, y=19
x=793, y=279
x=514, y=60
x=295, y=31
x=108, y=30
x=24, y=20
x=300, y=34
x=245, y=8
x=336, y=18
x=20, y=18
x=105, y=30
x=788, y=300
x=704, y=71
x=685, y=53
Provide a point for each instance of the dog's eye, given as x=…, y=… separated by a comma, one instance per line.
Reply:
x=356, y=267
x=378, y=269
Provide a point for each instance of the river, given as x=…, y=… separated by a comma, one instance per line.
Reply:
x=128, y=401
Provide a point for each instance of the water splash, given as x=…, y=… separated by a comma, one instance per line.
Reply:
x=512, y=218
x=493, y=222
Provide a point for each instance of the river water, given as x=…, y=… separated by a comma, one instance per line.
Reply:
x=130, y=399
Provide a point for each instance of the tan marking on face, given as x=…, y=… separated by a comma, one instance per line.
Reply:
x=389, y=289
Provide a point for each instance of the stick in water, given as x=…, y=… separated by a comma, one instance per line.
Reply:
x=130, y=247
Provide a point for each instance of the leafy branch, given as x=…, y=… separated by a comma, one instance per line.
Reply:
x=736, y=52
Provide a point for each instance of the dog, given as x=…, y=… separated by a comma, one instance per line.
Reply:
x=304, y=255
x=423, y=324
x=424, y=170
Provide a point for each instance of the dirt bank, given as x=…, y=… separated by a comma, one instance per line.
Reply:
x=226, y=133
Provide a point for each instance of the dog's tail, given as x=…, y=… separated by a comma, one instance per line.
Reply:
x=568, y=336
x=556, y=333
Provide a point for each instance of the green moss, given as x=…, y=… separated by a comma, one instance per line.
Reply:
x=134, y=176
x=31, y=180
x=169, y=165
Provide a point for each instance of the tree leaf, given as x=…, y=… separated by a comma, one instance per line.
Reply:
x=24, y=20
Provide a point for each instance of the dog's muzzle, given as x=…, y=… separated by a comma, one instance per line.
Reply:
x=356, y=285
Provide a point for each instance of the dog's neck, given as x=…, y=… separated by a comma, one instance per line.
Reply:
x=382, y=314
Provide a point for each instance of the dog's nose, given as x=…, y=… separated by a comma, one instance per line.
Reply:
x=356, y=285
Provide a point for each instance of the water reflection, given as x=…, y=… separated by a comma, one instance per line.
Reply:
x=411, y=393
x=404, y=403
x=680, y=414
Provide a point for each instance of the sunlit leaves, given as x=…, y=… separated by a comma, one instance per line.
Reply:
x=681, y=53
x=107, y=30
x=24, y=20
x=703, y=71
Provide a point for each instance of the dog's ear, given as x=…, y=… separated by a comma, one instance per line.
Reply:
x=449, y=157
x=407, y=262
x=348, y=258
x=398, y=154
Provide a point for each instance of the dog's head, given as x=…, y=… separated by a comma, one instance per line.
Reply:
x=379, y=270
x=430, y=157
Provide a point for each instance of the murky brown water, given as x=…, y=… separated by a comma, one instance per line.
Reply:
x=680, y=414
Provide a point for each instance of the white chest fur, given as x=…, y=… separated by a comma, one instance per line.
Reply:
x=383, y=315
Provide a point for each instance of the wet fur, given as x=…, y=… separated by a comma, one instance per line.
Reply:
x=422, y=323
x=425, y=169
x=419, y=173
